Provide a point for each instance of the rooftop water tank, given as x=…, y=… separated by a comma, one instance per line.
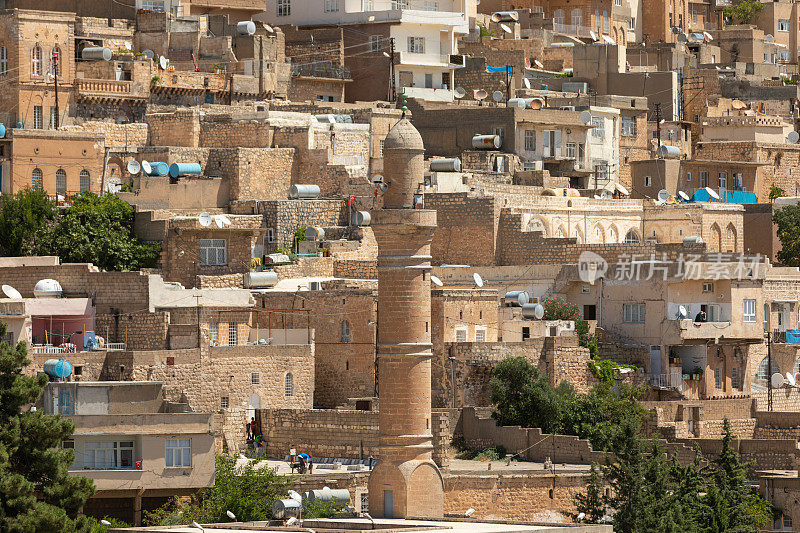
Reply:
x=532, y=311
x=669, y=152
x=185, y=169
x=361, y=218
x=452, y=164
x=286, y=508
x=2, y=130
x=58, y=368
x=47, y=288
x=260, y=280
x=158, y=168
x=341, y=496
x=315, y=233
x=486, y=142
x=305, y=192
x=693, y=239
x=246, y=27
x=516, y=298
x=101, y=53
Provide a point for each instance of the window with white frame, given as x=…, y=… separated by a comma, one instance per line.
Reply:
x=748, y=310
x=460, y=334
x=576, y=17
x=61, y=181
x=631, y=238
x=53, y=117
x=153, y=5
x=381, y=148
x=213, y=251
x=632, y=24
x=223, y=402
x=255, y=378
x=3, y=61
x=703, y=179
x=178, y=453
x=213, y=333
x=376, y=43
x=284, y=8
x=723, y=180
x=38, y=117
x=528, y=165
x=764, y=368
x=288, y=385
x=598, y=128
x=601, y=171
x=107, y=455
x=331, y=6
x=629, y=126
x=633, y=313
x=783, y=25
x=648, y=181
x=36, y=179
x=718, y=378
x=735, y=377
x=416, y=45
x=430, y=6
x=530, y=140
x=233, y=334
x=708, y=286
x=571, y=150
x=688, y=177
x=551, y=143
x=270, y=235
x=783, y=55
x=399, y=4
x=480, y=333
x=36, y=60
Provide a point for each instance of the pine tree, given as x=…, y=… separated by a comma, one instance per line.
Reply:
x=625, y=476
x=590, y=503
x=37, y=493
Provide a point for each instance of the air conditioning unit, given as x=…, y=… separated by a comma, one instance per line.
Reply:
x=315, y=286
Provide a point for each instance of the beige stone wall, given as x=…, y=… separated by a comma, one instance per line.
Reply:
x=134, y=134
x=302, y=89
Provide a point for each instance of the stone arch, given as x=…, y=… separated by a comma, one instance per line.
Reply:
x=599, y=235
x=762, y=372
x=116, y=168
x=716, y=238
x=537, y=224
x=578, y=234
x=730, y=237
x=613, y=234
x=632, y=237
x=425, y=496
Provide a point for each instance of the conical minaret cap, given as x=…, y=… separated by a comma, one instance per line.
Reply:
x=403, y=136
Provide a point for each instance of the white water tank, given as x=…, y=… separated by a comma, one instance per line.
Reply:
x=47, y=288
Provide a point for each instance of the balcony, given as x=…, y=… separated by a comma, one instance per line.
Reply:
x=671, y=381
x=572, y=29
x=679, y=331
x=103, y=87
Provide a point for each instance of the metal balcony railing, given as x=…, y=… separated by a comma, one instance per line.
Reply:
x=320, y=70
x=673, y=380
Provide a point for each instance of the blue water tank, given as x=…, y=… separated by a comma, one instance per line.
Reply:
x=544, y=87
x=20, y=125
x=57, y=368
x=159, y=168
x=2, y=130
x=185, y=169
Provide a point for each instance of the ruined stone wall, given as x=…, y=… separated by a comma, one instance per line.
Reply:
x=179, y=128
x=139, y=331
x=466, y=229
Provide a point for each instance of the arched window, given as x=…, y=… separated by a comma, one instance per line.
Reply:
x=86, y=182
x=288, y=386
x=345, y=331
x=36, y=60
x=599, y=234
x=763, y=369
x=730, y=236
x=631, y=237
x=36, y=178
x=61, y=181
x=55, y=57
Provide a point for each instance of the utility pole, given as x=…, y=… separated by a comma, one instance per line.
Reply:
x=658, y=127
x=55, y=58
x=508, y=83
x=769, y=371
x=392, y=87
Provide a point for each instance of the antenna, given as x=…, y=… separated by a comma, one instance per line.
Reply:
x=663, y=195
x=459, y=92
x=793, y=137
x=684, y=196
x=777, y=380
x=506, y=28
x=134, y=167
x=585, y=117
x=436, y=281
x=204, y=219
x=497, y=96
x=11, y=292
x=478, y=279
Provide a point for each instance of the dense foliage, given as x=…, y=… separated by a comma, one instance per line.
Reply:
x=36, y=491
x=94, y=229
x=651, y=493
x=559, y=309
x=523, y=396
x=788, y=221
x=743, y=11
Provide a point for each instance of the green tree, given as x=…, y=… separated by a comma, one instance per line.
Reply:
x=36, y=491
x=590, y=503
x=558, y=308
x=743, y=11
x=776, y=192
x=99, y=229
x=787, y=220
x=24, y=217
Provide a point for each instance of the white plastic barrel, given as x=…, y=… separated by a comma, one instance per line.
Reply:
x=486, y=142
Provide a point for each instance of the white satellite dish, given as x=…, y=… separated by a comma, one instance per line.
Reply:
x=149, y=54
x=606, y=194
x=585, y=117
x=663, y=195
x=295, y=496
x=683, y=196
x=593, y=35
x=538, y=63
x=459, y=92
x=708, y=36
x=608, y=39
x=163, y=62
x=377, y=178
x=768, y=38
x=383, y=187
x=478, y=279
x=538, y=311
x=777, y=380
x=597, y=196
x=479, y=94
x=269, y=28
x=436, y=281
x=147, y=167
x=113, y=185
x=682, y=311
x=11, y=292
x=497, y=96
x=134, y=167
x=793, y=137
x=506, y=28
x=225, y=220
x=204, y=219
x=527, y=83
x=712, y=193
x=790, y=379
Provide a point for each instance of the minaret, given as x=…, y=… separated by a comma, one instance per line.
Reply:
x=406, y=482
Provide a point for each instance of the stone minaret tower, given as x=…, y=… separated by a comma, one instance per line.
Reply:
x=406, y=482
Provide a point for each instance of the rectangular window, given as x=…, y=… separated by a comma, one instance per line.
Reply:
x=748, y=310
x=581, y=152
x=688, y=177
x=233, y=334
x=480, y=334
x=270, y=235
x=632, y=24
x=648, y=181
x=376, y=43
x=381, y=151
x=598, y=128
x=708, y=287
x=153, y=5
x=571, y=151
x=223, y=402
x=367, y=5
x=3, y=61
x=416, y=45
x=213, y=251
x=331, y=6
x=399, y=4
x=718, y=378
x=213, y=333
x=629, y=126
x=430, y=6
x=178, y=453
x=284, y=8
x=551, y=143
x=38, y=117
x=461, y=334
x=723, y=180
x=106, y=455
x=255, y=378
x=53, y=115
x=530, y=140
x=428, y=80
x=704, y=179
x=783, y=25
x=633, y=313
x=735, y=378
x=601, y=171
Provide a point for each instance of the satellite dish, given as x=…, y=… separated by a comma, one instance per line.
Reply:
x=478, y=279
x=295, y=496
x=790, y=379
x=606, y=195
x=134, y=167
x=149, y=54
x=597, y=196
x=436, y=281
x=113, y=185
x=663, y=195
x=497, y=96
x=593, y=35
x=768, y=38
x=225, y=220
x=712, y=193
x=585, y=117
x=682, y=38
x=708, y=36
x=536, y=103
x=163, y=62
x=538, y=63
x=676, y=30
x=526, y=82
x=479, y=94
x=459, y=92
x=11, y=292
x=204, y=219
x=506, y=28
x=684, y=196
x=793, y=137
x=777, y=380
x=383, y=187
x=377, y=178
x=738, y=104
x=269, y=28
x=608, y=39
x=147, y=167
x=538, y=311
x=682, y=311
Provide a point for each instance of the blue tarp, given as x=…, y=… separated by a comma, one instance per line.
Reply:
x=793, y=336
x=494, y=70
x=731, y=197
x=701, y=195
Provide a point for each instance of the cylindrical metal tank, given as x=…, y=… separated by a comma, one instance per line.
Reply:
x=516, y=298
x=185, y=169
x=669, y=152
x=532, y=310
x=315, y=233
x=2, y=130
x=361, y=218
x=307, y=192
x=258, y=280
x=520, y=102
x=102, y=53
x=286, y=508
x=693, y=239
x=446, y=165
x=158, y=168
x=486, y=142
x=57, y=368
x=341, y=496
x=246, y=27
x=505, y=16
